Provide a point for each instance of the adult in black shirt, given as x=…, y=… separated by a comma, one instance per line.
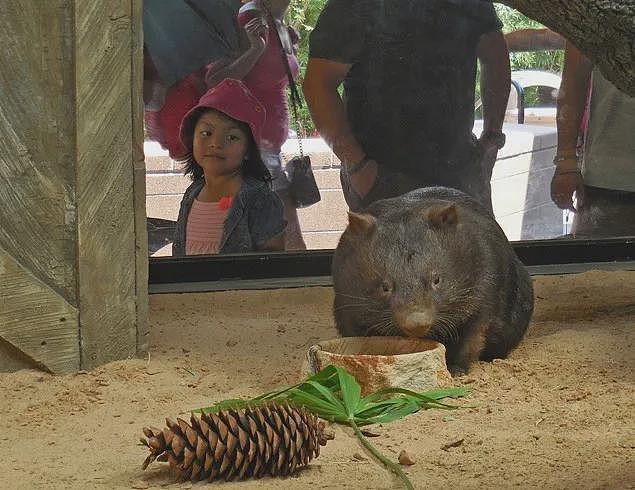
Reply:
x=409, y=71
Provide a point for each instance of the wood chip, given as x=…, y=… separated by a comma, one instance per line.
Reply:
x=369, y=433
x=405, y=459
x=329, y=433
x=447, y=446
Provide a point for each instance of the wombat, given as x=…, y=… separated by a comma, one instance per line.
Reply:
x=433, y=264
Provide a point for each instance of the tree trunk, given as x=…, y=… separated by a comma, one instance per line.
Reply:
x=602, y=29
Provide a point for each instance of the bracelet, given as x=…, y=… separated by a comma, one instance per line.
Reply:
x=496, y=137
x=350, y=170
x=567, y=156
x=570, y=171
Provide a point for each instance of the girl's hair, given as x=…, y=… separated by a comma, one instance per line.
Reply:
x=253, y=166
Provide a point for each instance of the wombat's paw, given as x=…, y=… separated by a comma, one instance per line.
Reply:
x=458, y=370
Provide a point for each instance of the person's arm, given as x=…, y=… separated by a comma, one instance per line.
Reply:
x=572, y=98
x=495, y=80
x=274, y=244
x=337, y=42
x=321, y=81
x=267, y=225
x=256, y=30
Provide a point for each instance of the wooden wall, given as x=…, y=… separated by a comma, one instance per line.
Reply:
x=73, y=262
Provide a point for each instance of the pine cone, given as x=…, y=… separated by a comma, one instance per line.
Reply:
x=273, y=439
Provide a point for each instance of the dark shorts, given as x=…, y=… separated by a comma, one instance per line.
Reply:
x=473, y=178
x=607, y=213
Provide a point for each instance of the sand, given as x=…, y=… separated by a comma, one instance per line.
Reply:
x=558, y=413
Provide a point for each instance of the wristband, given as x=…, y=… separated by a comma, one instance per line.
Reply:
x=358, y=166
x=566, y=156
x=568, y=171
x=496, y=137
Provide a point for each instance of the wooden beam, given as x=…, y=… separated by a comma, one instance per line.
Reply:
x=139, y=178
x=72, y=209
x=36, y=322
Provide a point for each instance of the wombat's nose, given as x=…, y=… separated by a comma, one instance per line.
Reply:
x=416, y=323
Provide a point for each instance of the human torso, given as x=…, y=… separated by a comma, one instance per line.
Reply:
x=254, y=216
x=204, y=230
x=410, y=93
x=609, y=155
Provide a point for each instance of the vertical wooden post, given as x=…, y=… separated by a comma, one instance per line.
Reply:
x=73, y=244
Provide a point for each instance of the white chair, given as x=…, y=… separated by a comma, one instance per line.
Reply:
x=516, y=109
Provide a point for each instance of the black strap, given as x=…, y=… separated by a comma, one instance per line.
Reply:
x=296, y=100
x=210, y=25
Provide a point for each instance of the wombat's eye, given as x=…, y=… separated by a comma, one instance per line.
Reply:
x=436, y=279
x=386, y=287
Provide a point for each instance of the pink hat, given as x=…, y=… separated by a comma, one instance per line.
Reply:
x=232, y=98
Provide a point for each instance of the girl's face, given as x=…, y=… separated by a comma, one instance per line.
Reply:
x=220, y=144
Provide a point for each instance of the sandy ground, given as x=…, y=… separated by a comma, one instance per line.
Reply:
x=559, y=413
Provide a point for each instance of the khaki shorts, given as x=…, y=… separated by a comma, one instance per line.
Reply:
x=606, y=213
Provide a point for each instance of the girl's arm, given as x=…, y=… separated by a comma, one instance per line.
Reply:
x=275, y=243
x=266, y=222
x=256, y=30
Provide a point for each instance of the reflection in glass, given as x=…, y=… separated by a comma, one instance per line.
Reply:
x=595, y=159
x=419, y=100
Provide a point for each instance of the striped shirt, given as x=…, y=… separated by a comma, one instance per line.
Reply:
x=204, y=230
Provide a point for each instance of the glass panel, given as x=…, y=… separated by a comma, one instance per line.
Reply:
x=419, y=79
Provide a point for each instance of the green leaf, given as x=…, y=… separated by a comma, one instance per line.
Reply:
x=315, y=404
x=448, y=392
x=351, y=391
x=423, y=397
x=223, y=405
x=409, y=407
x=327, y=395
x=374, y=409
x=334, y=394
x=329, y=373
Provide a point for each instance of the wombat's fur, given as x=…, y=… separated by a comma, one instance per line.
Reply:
x=432, y=263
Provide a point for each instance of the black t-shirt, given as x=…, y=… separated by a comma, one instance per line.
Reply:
x=410, y=91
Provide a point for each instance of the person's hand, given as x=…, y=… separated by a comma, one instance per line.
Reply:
x=363, y=180
x=487, y=146
x=256, y=30
x=567, y=186
x=489, y=152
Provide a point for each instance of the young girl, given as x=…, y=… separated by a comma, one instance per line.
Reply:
x=229, y=208
x=261, y=68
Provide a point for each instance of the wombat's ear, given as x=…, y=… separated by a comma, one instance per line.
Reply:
x=443, y=216
x=361, y=224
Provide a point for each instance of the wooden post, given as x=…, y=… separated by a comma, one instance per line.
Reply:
x=73, y=242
